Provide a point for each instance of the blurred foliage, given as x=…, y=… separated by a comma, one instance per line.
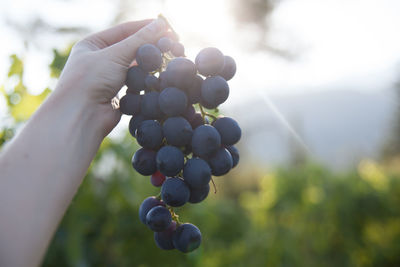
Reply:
x=302, y=215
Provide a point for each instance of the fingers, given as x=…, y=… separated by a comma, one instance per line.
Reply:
x=115, y=34
x=124, y=51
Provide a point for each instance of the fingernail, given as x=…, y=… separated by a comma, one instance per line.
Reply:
x=157, y=25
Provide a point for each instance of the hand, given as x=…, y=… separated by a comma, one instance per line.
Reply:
x=96, y=69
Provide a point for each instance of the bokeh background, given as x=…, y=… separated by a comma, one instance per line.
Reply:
x=317, y=96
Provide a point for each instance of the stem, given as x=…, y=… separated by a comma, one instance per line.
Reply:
x=215, y=187
x=174, y=216
x=211, y=116
x=203, y=114
x=161, y=16
x=159, y=196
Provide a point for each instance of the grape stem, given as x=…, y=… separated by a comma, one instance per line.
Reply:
x=159, y=196
x=215, y=187
x=174, y=216
x=161, y=16
x=204, y=114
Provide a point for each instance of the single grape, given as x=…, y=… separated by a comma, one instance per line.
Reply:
x=205, y=141
x=229, y=130
x=152, y=82
x=235, y=155
x=214, y=91
x=178, y=49
x=172, y=101
x=150, y=108
x=221, y=162
x=189, y=113
x=163, y=80
x=196, y=172
x=129, y=104
x=186, y=238
x=157, y=179
x=144, y=161
x=147, y=205
x=196, y=121
x=170, y=160
x=158, y=219
x=148, y=57
x=198, y=194
x=134, y=124
x=135, y=80
x=175, y=192
x=180, y=73
x=164, y=44
x=209, y=61
x=149, y=134
x=229, y=69
x=194, y=91
x=177, y=131
x=164, y=239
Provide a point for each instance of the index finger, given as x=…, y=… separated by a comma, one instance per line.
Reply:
x=116, y=34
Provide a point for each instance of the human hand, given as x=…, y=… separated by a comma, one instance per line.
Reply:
x=97, y=67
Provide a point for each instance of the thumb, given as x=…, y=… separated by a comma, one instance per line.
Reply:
x=124, y=51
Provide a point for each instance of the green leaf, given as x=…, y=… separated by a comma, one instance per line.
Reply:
x=17, y=66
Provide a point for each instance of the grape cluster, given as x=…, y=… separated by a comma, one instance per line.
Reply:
x=181, y=147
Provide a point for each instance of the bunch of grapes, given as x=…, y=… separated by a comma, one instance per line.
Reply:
x=182, y=146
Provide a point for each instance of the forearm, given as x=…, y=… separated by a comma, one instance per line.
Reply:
x=40, y=171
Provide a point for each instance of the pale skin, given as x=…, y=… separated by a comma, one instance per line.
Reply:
x=43, y=166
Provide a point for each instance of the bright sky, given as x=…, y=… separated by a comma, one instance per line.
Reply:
x=342, y=43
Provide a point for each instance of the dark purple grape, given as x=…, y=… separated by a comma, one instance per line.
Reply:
x=135, y=80
x=147, y=205
x=158, y=219
x=164, y=239
x=157, y=179
x=150, y=108
x=186, y=238
x=134, y=124
x=177, y=131
x=209, y=61
x=194, y=91
x=221, y=162
x=164, y=44
x=197, y=121
x=170, y=160
x=198, y=194
x=189, y=113
x=205, y=141
x=235, y=155
x=180, y=73
x=150, y=134
x=152, y=82
x=229, y=130
x=129, y=104
x=148, y=57
x=196, y=172
x=172, y=101
x=163, y=80
x=229, y=69
x=214, y=91
x=175, y=192
x=144, y=161
x=178, y=49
